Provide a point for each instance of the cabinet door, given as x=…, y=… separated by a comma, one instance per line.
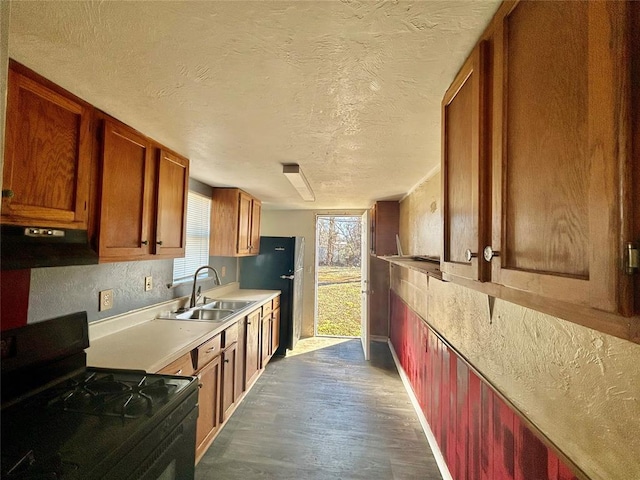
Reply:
x=47, y=158
x=256, y=211
x=229, y=395
x=208, y=402
x=171, y=204
x=252, y=350
x=464, y=179
x=265, y=340
x=126, y=193
x=241, y=357
x=244, y=223
x=562, y=93
x=275, y=330
x=385, y=227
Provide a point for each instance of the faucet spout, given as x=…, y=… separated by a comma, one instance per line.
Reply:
x=192, y=300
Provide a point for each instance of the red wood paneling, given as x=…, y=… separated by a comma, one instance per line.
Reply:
x=14, y=298
x=479, y=435
x=462, y=417
x=503, y=446
x=486, y=428
x=453, y=417
x=531, y=462
x=475, y=427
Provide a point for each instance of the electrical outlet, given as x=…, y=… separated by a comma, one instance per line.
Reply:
x=223, y=271
x=148, y=283
x=106, y=300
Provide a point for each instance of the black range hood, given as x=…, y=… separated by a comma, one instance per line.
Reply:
x=33, y=247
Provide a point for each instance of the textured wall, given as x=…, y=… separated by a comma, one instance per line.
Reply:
x=60, y=290
x=421, y=219
x=300, y=223
x=580, y=387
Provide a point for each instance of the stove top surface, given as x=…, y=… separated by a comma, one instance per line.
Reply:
x=77, y=427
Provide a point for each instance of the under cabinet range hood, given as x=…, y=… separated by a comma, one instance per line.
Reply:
x=33, y=247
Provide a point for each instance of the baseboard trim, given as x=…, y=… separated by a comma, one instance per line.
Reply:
x=442, y=464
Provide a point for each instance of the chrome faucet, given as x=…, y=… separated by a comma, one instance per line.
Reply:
x=192, y=301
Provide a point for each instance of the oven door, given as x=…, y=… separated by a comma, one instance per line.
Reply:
x=161, y=455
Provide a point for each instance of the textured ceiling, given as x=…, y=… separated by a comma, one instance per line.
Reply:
x=350, y=90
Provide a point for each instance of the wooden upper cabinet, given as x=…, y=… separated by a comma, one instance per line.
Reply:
x=47, y=154
x=245, y=202
x=254, y=235
x=385, y=225
x=235, y=223
x=464, y=167
x=171, y=204
x=562, y=160
x=126, y=193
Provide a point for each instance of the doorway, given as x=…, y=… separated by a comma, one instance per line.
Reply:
x=338, y=276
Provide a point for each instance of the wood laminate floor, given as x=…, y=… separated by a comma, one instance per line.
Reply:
x=323, y=414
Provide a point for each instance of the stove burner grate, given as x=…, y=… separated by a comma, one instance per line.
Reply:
x=108, y=396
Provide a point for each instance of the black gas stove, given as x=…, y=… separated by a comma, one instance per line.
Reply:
x=63, y=420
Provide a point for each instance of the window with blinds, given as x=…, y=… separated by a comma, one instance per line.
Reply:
x=197, y=248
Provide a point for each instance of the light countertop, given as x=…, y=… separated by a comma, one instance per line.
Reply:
x=152, y=343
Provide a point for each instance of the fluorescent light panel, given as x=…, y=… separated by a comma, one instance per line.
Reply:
x=294, y=174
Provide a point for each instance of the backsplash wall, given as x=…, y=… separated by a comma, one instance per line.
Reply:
x=60, y=290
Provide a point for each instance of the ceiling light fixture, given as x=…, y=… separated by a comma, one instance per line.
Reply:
x=294, y=174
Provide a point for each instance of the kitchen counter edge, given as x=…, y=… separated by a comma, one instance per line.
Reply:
x=153, y=344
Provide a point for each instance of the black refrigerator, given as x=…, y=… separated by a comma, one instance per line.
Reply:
x=279, y=266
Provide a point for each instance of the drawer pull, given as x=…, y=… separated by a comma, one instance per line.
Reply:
x=210, y=349
x=226, y=360
x=178, y=372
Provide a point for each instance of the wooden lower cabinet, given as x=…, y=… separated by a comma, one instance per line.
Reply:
x=241, y=385
x=265, y=340
x=275, y=330
x=252, y=347
x=208, y=404
x=226, y=365
x=229, y=391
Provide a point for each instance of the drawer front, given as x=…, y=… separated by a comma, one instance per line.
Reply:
x=276, y=302
x=266, y=309
x=230, y=335
x=180, y=366
x=208, y=351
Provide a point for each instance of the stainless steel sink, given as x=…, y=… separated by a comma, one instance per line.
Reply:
x=210, y=314
x=214, y=310
x=226, y=304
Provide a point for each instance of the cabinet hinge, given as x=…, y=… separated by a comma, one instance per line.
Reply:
x=632, y=258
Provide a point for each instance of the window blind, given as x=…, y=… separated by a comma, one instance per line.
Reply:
x=197, y=248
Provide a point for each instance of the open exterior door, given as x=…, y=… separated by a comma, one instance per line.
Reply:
x=365, y=332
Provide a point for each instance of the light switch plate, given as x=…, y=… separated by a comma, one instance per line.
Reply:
x=106, y=300
x=148, y=283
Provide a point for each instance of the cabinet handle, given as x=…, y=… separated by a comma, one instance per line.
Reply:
x=226, y=360
x=200, y=385
x=211, y=349
x=248, y=323
x=159, y=242
x=144, y=242
x=178, y=372
x=468, y=255
x=8, y=194
x=489, y=253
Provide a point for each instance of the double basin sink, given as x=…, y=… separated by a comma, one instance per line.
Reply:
x=213, y=310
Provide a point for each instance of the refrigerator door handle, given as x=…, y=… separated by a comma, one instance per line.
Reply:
x=286, y=277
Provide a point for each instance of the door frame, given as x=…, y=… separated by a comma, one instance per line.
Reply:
x=318, y=215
